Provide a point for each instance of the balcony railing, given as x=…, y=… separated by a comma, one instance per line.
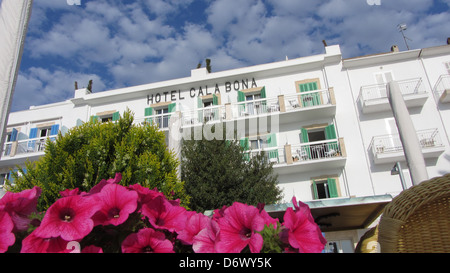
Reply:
x=299, y=153
x=308, y=99
x=255, y=107
x=392, y=144
x=379, y=91
x=316, y=150
x=161, y=121
x=272, y=155
x=32, y=145
x=441, y=89
x=202, y=115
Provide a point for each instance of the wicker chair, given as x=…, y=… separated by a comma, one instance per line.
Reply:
x=418, y=219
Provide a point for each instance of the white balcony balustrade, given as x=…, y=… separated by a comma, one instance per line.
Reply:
x=161, y=121
x=32, y=145
x=389, y=148
x=373, y=98
x=441, y=89
x=202, y=115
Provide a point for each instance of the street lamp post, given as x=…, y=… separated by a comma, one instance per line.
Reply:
x=397, y=169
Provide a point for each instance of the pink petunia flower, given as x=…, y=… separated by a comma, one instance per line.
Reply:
x=68, y=192
x=7, y=238
x=195, y=223
x=116, y=204
x=163, y=214
x=238, y=229
x=69, y=217
x=147, y=240
x=97, y=188
x=36, y=244
x=20, y=205
x=303, y=233
x=205, y=240
x=268, y=220
x=92, y=249
x=145, y=195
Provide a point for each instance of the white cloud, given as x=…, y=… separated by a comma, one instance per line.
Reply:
x=39, y=86
x=122, y=43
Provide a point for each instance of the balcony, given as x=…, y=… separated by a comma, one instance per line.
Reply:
x=17, y=152
x=161, y=121
x=389, y=148
x=373, y=98
x=201, y=115
x=441, y=89
x=295, y=158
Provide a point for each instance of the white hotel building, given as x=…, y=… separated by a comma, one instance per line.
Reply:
x=324, y=121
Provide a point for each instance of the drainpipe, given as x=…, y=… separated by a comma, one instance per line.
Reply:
x=408, y=135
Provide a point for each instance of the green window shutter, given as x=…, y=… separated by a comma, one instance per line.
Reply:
x=272, y=142
x=305, y=139
x=263, y=92
x=94, y=119
x=241, y=96
x=172, y=107
x=244, y=143
x=116, y=116
x=215, y=100
x=200, y=112
x=332, y=188
x=310, y=99
x=310, y=86
x=330, y=132
x=245, y=146
x=314, y=190
x=149, y=111
x=304, y=135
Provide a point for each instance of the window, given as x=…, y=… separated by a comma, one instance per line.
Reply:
x=43, y=132
x=159, y=114
x=324, y=188
x=319, y=148
x=252, y=101
x=105, y=117
x=382, y=79
x=267, y=143
x=3, y=177
x=162, y=117
x=311, y=98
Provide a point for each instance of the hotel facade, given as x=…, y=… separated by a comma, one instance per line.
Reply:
x=325, y=122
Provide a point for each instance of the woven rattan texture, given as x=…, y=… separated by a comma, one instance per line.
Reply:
x=418, y=219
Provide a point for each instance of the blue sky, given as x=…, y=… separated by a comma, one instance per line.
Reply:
x=125, y=43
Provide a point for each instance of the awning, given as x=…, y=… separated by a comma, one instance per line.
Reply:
x=339, y=214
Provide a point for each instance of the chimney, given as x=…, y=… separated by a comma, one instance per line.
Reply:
x=394, y=48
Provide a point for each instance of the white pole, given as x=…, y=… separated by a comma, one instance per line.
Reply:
x=14, y=18
x=408, y=135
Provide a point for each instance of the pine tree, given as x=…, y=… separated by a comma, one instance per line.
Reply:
x=95, y=151
x=216, y=173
